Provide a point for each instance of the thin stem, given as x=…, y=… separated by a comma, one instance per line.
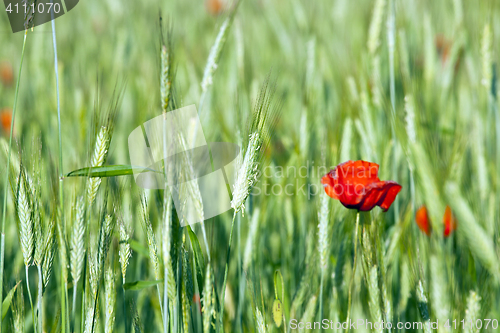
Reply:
x=75, y=285
x=2, y=251
x=31, y=300
x=4, y=209
x=165, y=300
x=159, y=298
x=40, y=295
x=165, y=229
x=497, y=125
x=391, y=41
x=321, y=296
x=195, y=133
x=125, y=310
x=82, y=309
x=61, y=194
x=379, y=255
x=353, y=271
x=241, y=290
x=65, y=305
x=221, y=327
x=205, y=240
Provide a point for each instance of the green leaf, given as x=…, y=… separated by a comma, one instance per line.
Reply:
x=198, y=258
x=138, y=247
x=8, y=300
x=108, y=171
x=139, y=285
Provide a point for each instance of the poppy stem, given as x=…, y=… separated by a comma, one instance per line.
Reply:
x=353, y=271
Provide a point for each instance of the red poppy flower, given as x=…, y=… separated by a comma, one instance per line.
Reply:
x=5, y=119
x=422, y=219
x=214, y=7
x=449, y=222
x=357, y=186
x=443, y=48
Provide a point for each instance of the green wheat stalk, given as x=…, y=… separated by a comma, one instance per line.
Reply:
x=77, y=247
x=6, y=180
x=208, y=302
x=323, y=244
x=109, y=299
x=153, y=249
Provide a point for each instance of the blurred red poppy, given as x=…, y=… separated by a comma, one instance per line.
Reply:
x=449, y=222
x=422, y=219
x=197, y=300
x=214, y=7
x=5, y=119
x=443, y=48
x=6, y=73
x=357, y=186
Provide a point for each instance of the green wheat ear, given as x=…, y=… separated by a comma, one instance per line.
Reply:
x=187, y=289
x=374, y=292
x=98, y=158
x=77, y=241
x=423, y=307
x=25, y=216
x=104, y=123
x=473, y=312
x=109, y=299
x=261, y=324
x=262, y=123
x=166, y=74
x=49, y=252
x=153, y=249
x=208, y=302
x=124, y=251
x=310, y=311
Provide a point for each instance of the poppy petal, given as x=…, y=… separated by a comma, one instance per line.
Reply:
x=330, y=190
x=382, y=193
x=329, y=185
x=370, y=200
x=391, y=191
x=5, y=119
x=449, y=222
x=358, y=172
x=422, y=220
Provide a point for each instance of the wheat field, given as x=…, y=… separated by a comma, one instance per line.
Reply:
x=301, y=87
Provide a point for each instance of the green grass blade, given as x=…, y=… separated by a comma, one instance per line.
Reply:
x=139, y=285
x=7, y=300
x=108, y=171
x=198, y=257
x=139, y=248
